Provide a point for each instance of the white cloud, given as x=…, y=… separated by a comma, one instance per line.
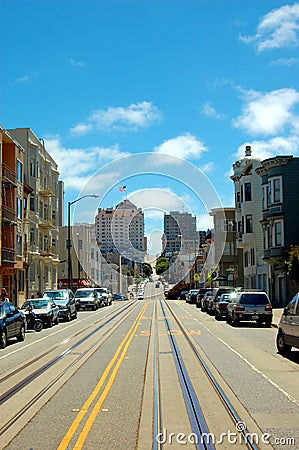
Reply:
x=133, y=117
x=269, y=113
x=75, y=63
x=273, y=147
x=209, y=111
x=279, y=28
x=157, y=201
x=285, y=62
x=185, y=146
x=83, y=162
x=208, y=167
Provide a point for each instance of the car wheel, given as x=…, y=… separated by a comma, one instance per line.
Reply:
x=21, y=335
x=281, y=345
x=217, y=315
x=268, y=323
x=235, y=321
x=3, y=339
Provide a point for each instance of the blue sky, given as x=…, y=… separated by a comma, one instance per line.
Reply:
x=197, y=79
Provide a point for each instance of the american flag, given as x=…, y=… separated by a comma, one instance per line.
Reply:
x=122, y=188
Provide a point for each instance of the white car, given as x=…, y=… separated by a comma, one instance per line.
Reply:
x=288, y=328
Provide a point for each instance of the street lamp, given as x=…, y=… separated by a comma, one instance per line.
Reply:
x=69, y=277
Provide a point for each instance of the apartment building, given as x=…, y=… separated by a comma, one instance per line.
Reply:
x=121, y=230
x=248, y=214
x=13, y=266
x=180, y=235
x=224, y=259
x=40, y=212
x=279, y=204
x=85, y=267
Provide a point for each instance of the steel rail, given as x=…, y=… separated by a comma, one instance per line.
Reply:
x=5, y=397
x=197, y=420
x=230, y=409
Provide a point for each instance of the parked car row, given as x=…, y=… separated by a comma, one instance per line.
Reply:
x=53, y=306
x=236, y=306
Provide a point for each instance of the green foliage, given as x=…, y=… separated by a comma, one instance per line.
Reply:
x=162, y=265
x=147, y=270
x=292, y=263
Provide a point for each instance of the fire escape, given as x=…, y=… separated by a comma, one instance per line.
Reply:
x=9, y=216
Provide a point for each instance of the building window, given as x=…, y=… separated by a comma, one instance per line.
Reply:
x=20, y=171
x=19, y=208
x=246, y=259
x=248, y=220
x=275, y=190
x=32, y=202
x=247, y=192
x=32, y=168
x=278, y=238
x=19, y=245
x=265, y=196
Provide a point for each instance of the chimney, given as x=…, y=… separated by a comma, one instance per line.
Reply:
x=247, y=150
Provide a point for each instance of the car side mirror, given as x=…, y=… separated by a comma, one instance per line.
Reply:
x=285, y=311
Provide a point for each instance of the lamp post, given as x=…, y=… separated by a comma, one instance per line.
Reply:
x=69, y=277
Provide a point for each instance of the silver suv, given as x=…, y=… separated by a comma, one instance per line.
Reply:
x=250, y=305
x=288, y=328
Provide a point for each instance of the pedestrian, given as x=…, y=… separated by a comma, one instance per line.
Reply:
x=4, y=295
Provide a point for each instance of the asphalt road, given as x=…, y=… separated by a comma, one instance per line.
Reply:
x=100, y=393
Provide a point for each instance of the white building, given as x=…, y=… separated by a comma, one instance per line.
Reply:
x=249, y=233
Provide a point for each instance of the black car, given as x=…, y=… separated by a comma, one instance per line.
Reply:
x=215, y=297
x=200, y=296
x=65, y=300
x=12, y=323
x=191, y=296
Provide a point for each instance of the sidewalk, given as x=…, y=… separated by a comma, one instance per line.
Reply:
x=277, y=313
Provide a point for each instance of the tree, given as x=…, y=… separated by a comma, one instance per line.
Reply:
x=292, y=263
x=147, y=270
x=162, y=265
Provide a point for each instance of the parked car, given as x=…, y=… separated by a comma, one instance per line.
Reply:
x=87, y=298
x=250, y=306
x=205, y=300
x=183, y=294
x=12, y=323
x=215, y=297
x=221, y=306
x=120, y=296
x=288, y=327
x=65, y=300
x=45, y=309
x=105, y=294
x=191, y=296
x=200, y=296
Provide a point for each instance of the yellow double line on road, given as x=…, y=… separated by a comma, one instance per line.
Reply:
x=120, y=353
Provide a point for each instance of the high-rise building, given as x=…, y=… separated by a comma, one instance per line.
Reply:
x=121, y=230
x=180, y=234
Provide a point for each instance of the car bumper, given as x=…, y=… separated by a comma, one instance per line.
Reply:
x=254, y=316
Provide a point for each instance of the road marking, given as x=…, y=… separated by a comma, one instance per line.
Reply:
x=83, y=435
x=255, y=369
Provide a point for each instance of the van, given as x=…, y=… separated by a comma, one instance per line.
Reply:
x=288, y=327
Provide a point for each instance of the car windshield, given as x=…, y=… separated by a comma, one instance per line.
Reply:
x=61, y=302
x=226, y=297
x=56, y=295
x=36, y=304
x=82, y=294
x=254, y=299
x=101, y=290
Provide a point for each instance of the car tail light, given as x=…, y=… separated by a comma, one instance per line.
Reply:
x=268, y=308
x=240, y=308
x=222, y=306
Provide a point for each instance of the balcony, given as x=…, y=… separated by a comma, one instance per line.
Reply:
x=46, y=190
x=8, y=256
x=9, y=216
x=9, y=176
x=48, y=251
x=47, y=224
